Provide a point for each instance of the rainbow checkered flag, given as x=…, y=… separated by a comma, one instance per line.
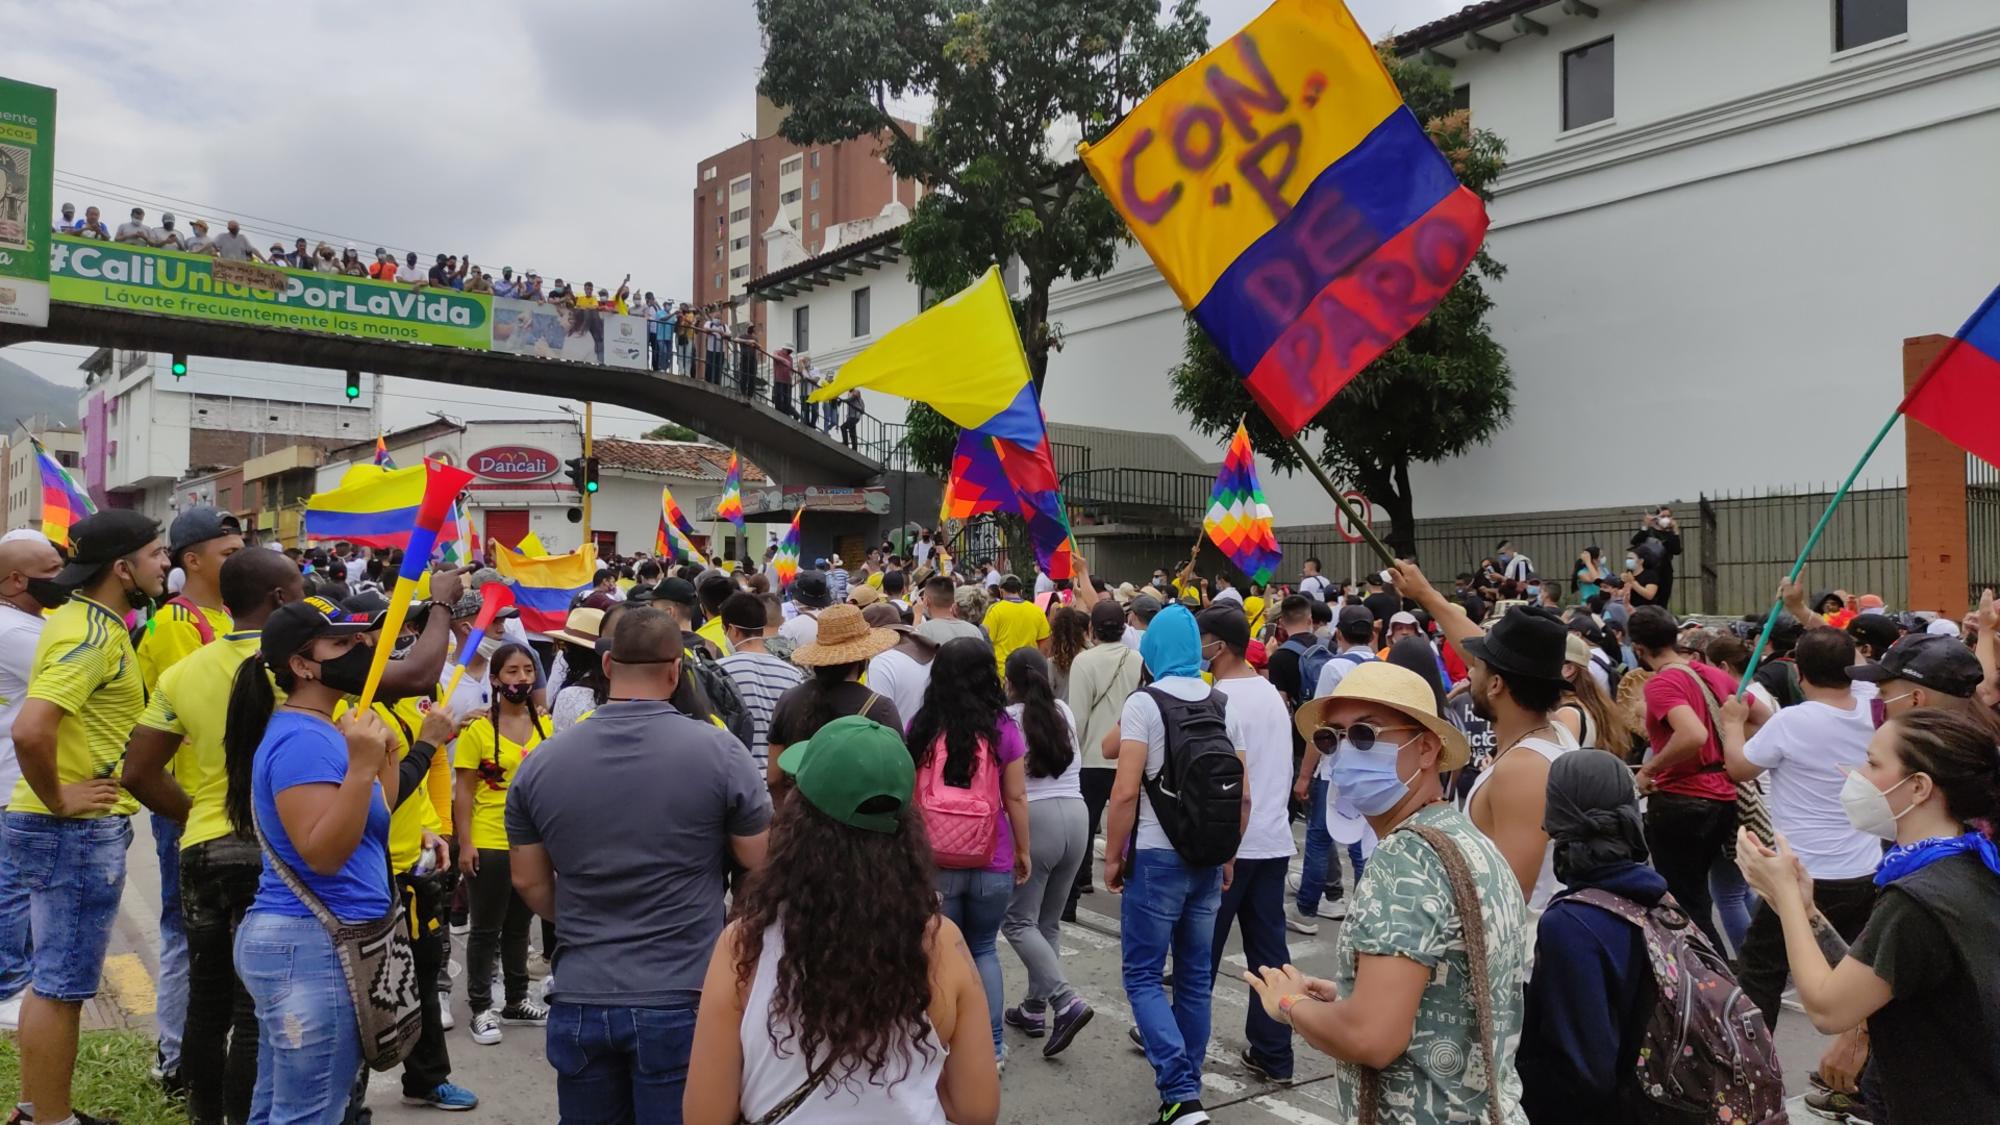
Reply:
x=1238, y=520
x=730, y=506
x=786, y=563
x=63, y=503
x=382, y=457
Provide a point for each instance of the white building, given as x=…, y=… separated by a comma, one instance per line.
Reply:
x=23, y=471
x=1712, y=267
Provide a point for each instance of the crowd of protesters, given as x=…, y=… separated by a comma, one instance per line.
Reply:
x=773, y=832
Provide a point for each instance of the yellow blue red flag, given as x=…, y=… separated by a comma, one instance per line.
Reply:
x=1293, y=202
x=544, y=584
x=378, y=508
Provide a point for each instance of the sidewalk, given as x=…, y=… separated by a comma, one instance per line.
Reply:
x=126, y=999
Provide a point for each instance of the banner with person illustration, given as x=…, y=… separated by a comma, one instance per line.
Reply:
x=27, y=196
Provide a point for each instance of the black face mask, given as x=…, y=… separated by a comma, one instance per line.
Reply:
x=348, y=672
x=138, y=599
x=47, y=592
x=516, y=693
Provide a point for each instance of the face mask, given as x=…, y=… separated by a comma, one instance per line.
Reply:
x=348, y=672
x=138, y=599
x=489, y=646
x=1867, y=807
x=516, y=693
x=1367, y=779
x=1878, y=712
x=1631, y=563
x=47, y=592
x=1534, y=591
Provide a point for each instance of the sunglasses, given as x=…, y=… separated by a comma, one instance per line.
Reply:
x=1361, y=736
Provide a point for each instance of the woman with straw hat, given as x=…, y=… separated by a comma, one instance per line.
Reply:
x=836, y=660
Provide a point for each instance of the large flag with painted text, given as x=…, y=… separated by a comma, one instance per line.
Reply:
x=1293, y=202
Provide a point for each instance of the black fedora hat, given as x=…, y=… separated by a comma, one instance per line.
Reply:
x=1529, y=641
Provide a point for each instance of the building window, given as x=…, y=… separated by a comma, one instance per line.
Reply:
x=718, y=251
x=740, y=215
x=1857, y=23
x=1461, y=96
x=861, y=312
x=740, y=272
x=718, y=281
x=708, y=173
x=815, y=189
x=802, y=328
x=792, y=165
x=814, y=217
x=815, y=159
x=718, y=197
x=789, y=197
x=740, y=186
x=1586, y=78
x=742, y=243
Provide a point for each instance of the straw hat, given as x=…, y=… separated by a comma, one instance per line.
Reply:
x=844, y=638
x=1378, y=681
x=581, y=627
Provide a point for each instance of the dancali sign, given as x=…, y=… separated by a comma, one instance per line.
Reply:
x=512, y=464
x=142, y=279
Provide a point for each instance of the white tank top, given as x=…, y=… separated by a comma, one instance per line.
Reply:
x=1546, y=883
x=906, y=1094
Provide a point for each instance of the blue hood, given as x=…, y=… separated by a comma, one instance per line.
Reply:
x=1172, y=645
x=1635, y=881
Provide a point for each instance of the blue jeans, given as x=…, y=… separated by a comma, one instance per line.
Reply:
x=171, y=1015
x=1317, y=875
x=74, y=873
x=620, y=1066
x=15, y=930
x=977, y=902
x=1256, y=898
x=1170, y=906
x=1732, y=901
x=310, y=1051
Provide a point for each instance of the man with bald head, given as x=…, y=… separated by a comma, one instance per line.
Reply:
x=28, y=567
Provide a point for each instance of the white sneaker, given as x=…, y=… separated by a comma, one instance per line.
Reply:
x=10, y=1010
x=1293, y=880
x=1334, y=908
x=486, y=1027
x=1299, y=923
x=445, y=1019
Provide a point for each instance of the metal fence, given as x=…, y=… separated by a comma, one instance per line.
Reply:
x=1750, y=541
x=1982, y=526
x=1136, y=497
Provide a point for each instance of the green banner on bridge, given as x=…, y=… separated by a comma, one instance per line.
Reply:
x=141, y=279
x=27, y=190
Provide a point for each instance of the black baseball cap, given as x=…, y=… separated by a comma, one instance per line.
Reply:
x=1528, y=641
x=1938, y=663
x=1226, y=624
x=1356, y=622
x=97, y=541
x=294, y=625
x=1876, y=630
x=198, y=525
x=677, y=590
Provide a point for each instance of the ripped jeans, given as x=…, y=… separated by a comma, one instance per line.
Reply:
x=311, y=1049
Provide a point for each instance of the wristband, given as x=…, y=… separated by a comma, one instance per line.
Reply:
x=1286, y=1003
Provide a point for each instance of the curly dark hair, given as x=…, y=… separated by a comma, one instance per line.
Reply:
x=964, y=704
x=855, y=909
x=1069, y=634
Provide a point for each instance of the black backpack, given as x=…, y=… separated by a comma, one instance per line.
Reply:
x=1198, y=793
x=720, y=692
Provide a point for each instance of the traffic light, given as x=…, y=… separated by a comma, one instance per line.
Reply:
x=179, y=366
x=590, y=474
x=579, y=473
x=353, y=385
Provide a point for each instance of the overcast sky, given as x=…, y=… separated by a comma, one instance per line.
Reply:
x=562, y=137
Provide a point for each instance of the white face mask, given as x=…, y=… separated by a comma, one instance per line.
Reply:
x=1867, y=807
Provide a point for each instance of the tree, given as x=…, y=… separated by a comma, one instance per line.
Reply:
x=1441, y=390
x=999, y=74
x=671, y=431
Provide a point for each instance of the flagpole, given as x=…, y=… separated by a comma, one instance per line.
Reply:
x=1347, y=508
x=1798, y=565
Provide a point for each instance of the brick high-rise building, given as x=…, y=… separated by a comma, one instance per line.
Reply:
x=741, y=191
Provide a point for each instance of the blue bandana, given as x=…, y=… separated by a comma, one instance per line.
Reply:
x=1908, y=859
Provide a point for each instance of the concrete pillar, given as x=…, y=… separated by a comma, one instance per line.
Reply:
x=1934, y=502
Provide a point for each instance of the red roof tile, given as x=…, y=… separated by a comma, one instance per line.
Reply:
x=691, y=460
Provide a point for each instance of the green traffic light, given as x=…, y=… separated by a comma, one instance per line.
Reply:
x=590, y=487
x=179, y=369
x=353, y=391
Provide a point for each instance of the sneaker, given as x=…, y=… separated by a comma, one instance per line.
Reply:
x=1831, y=1105
x=1138, y=1040
x=1300, y=923
x=527, y=1013
x=1182, y=1113
x=446, y=1096
x=1293, y=880
x=10, y=1010
x=445, y=1019
x=486, y=1027
x=1086, y=889
x=1333, y=908
x=461, y=926
x=1031, y=1023
x=1067, y=1021
x=538, y=965
x=1256, y=1066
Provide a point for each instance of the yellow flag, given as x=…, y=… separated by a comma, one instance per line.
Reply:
x=531, y=546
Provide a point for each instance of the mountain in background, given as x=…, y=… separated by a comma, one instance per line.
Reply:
x=28, y=394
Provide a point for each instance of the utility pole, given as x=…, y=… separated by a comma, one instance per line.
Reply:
x=587, y=538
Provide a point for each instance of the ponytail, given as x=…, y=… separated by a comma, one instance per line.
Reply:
x=1051, y=746
x=251, y=701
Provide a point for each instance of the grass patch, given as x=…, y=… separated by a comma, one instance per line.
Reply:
x=112, y=1078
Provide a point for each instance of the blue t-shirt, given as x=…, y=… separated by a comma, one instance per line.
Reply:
x=306, y=750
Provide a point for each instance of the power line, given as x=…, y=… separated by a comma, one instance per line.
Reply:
x=62, y=173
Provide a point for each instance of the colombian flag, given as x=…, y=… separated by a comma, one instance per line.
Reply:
x=1296, y=206
x=543, y=585
x=63, y=503
x=1955, y=394
x=378, y=508
x=730, y=505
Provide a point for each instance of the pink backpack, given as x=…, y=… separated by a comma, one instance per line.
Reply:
x=964, y=824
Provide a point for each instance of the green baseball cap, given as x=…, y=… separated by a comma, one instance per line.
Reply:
x=850, y=762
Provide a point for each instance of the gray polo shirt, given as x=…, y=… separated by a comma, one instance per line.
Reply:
x=234, y=247
x=636, y=805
